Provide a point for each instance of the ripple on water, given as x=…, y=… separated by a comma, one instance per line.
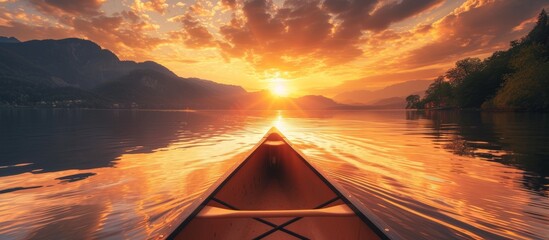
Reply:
x=130, y=174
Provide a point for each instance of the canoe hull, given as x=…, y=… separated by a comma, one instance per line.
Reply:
x=281, y=187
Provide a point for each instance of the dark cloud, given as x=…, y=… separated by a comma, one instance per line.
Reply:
x=376, y=14
x=131, y=16
x=299, y=33
x=309, y=32
x=54, y=7
x=396, y=12
x=480, y=27
x=337, y=6
x=197, y=35
x=351, y=20
x=193, y=34
x=123, y=33
x=422, y=29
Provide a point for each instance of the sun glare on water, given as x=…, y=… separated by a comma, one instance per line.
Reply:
x=279, y=122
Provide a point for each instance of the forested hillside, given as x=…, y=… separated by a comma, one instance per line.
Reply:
x=515, y=79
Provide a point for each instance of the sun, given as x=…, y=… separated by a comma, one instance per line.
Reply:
x=279, y=90
x=278, y=87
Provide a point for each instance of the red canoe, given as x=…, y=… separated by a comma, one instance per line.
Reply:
x=275, y=193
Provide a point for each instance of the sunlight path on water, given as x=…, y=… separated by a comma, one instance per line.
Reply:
x=404, y=173
x=131, y=174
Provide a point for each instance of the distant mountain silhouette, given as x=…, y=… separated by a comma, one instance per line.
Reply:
x=265, y=100
x=8, y=40
x=66, y=63
x=392, y=102
x=79, y=73
x=304, y=102
x=152, y=89
x=400, y=90
x=316, y=102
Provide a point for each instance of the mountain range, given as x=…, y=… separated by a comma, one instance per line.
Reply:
x=79, y=73
x=392, y=95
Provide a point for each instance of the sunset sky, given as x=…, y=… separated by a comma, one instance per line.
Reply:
x=312, y=47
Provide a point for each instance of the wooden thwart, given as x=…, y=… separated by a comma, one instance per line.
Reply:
x=334, y=211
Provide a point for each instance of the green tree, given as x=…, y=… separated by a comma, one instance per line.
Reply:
x=516, y=78
x=540, y=32
x=463, y=68
x=439, y=93
x=481, y=85
x=528, y=87
x=413, y=101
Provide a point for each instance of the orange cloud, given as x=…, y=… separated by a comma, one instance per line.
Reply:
x=83, y=7
x=229, y=3
x=125, y=32
x=300, y=33
x=393, y=12
x=309, y=33
x=202, y=8
x=159, y=6
x=193, y=34
x=477, y=27
x=26, y=32
x=312, y=42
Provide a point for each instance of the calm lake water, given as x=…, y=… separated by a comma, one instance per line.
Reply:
x=87, y=174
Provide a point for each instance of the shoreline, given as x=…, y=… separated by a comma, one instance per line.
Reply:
x=366, y=108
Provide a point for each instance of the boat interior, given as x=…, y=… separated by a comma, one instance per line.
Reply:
x=275, y=194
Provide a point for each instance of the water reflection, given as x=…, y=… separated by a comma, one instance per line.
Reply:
x=516, y=139
x=422, y=176
x=56, y=140
x=130, y=174
x=109, y=173
x=459, y=146
x=75, y=177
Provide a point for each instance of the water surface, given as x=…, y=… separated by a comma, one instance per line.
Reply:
x=77, y=174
